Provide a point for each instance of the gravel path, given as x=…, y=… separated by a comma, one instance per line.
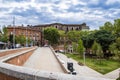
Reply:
x=43, y=59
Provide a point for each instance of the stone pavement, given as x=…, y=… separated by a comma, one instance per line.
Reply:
x=86, y=71
x=113, y=74
x=43, y=59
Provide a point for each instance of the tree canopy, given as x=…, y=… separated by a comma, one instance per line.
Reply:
x=52, y=35
x=73, y=36
x=104, y=38
x=80, y=47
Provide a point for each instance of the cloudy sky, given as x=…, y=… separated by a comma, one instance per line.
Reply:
x=34, y=12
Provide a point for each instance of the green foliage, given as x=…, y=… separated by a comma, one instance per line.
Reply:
x=29, y=40
x=88, y=40
x=52, y=35
x=117, y=27
x=4, y=36
x=95, y=47
x=99, y=51
x=118, y=43
x=104, y=38
x=62, y=36
x=107, y=26
x=11, y=38
x=112, y=47
x=20, y=39
x=5, y=31
x=80, y=48
x=62, y=33
x=118, y=78
x=73, y=36
x=74, y=46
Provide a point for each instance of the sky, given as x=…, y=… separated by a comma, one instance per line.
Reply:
x=34, y=12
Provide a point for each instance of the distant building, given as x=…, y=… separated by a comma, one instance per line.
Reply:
x=65, y=27
x=34, y=33
x=30, y=33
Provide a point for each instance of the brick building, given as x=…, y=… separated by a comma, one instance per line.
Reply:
x=30, y=33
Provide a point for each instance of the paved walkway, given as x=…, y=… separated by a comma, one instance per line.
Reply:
x=81, y=70
x=43, y=59
x=86, y=71
x=114, y=74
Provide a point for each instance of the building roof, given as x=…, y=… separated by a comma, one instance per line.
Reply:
x=43, y=25
x=24, y=28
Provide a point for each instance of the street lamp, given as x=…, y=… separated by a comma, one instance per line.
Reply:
x=14, y=32
x=84, y=57
x=119, y=73
x=26, y=38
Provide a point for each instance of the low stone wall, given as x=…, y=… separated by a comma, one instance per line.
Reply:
x=23, y=73
x=7, y=77
x=61, y=64
x=21, y=59
x=7, y=52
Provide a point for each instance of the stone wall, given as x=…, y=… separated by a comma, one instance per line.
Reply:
x=60, y=61
x=20, y=60
x=23, y=73
x=7, y=52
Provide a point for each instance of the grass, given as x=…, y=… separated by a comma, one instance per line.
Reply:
x=118, y=79
x=103, y=67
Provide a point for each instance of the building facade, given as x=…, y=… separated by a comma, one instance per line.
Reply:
x=30, y=33
x=65, y=27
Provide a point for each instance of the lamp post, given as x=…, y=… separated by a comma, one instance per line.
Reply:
x=119, y=73
x=26, y=38
x=14, y=32
x=84, y=57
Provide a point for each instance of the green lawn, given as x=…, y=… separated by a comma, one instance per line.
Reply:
x=118, y=79
x=104, y=67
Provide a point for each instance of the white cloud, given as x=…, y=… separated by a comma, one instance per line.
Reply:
x=95, y=2
x=108, y=2
x=58, y=12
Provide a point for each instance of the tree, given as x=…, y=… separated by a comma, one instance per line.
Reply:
x=113, y=48
x=107, y=26
x=99, y=51
x=88, y=41
x=117, y=27
x=11, y=38
x=52, y=35
x=62, y=36
x=74, y=44
x=118, y=43
x=4, y=36
x=94, y=47
x=104, y=38
x=80, y=48
x=118, y=48
x=20, y=39
x=73, y=36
